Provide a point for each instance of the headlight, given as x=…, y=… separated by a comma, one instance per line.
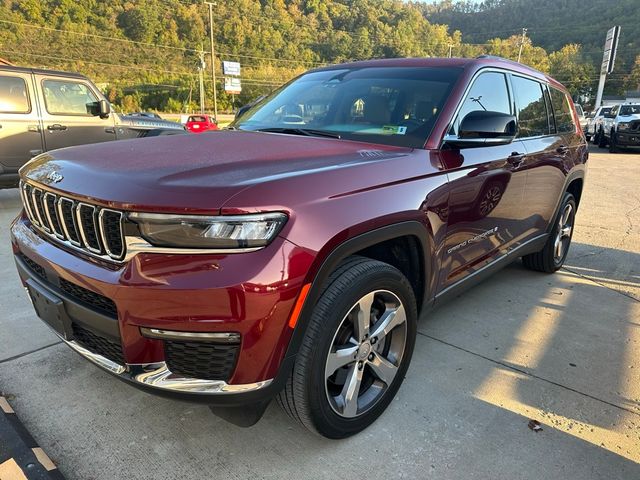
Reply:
x=624, y=126
x=199, y=231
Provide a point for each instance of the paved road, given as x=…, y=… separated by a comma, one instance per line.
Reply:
x=563, y=349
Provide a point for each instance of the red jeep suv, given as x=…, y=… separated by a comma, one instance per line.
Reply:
x=290, y=255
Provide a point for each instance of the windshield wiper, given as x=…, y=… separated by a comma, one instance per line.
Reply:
x=309, y=132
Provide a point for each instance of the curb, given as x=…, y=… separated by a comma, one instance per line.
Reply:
x=20, y=456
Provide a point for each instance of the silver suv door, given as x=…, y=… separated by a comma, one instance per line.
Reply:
x=70, y=113
x=20, y=134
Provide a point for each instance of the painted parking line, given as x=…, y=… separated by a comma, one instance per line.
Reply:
x=20, y=456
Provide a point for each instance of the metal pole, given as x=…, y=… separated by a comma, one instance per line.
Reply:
x=201, y=75
x=524, y=35
x=450, y=50
x=213, y=60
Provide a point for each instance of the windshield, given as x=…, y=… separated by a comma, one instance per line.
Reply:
x=605, y=111
x=393, y=106
x=629, y=110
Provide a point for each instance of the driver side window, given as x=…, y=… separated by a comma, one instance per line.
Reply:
x=488, y=93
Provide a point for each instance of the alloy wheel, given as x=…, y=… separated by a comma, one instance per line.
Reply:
x=365, y=353
x=563, y=235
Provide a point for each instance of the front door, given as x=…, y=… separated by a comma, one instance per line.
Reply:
x=20, y=130
x=69, y=113
x=486, y=187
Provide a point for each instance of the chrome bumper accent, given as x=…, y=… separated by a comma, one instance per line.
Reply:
x=157, y=375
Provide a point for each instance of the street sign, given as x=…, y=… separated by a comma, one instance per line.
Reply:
x=610, y=47
x=231, y=68
x=232, y=85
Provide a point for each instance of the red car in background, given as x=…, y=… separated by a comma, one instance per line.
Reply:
x=201, y=123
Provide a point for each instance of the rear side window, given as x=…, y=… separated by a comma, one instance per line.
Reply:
x=13, y=95
x=488, y=92
x=63, y=97
x=562, y=112
x=532, y=111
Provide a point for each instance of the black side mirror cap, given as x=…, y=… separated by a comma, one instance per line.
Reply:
x=485, y=128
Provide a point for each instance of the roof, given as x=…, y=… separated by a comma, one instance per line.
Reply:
x=8, y=68
x=482, y=61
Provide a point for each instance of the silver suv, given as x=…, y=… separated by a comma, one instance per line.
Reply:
x=42, y=110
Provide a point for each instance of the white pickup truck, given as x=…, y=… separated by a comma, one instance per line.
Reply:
x=621, y=127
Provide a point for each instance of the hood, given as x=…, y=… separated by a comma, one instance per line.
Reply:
x=192, y=173
x=629, y=118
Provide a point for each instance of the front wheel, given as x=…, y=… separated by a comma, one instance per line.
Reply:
x=602, y=141
x=356, y=350
x=613, y=143
x=554, y=252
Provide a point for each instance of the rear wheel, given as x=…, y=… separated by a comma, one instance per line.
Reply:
x=356, y=350
x=554, y=252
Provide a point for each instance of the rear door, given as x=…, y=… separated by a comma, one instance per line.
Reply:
x=546, y=153
x=68, y=113
x=486, y=188
x=20, y=129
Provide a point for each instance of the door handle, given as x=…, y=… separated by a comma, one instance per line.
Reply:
x=34, y=128
x=56, y=127
x=516, y=158
x=110, y=130
x=562, y=149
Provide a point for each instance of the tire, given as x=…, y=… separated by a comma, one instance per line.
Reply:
x=316, y=397
x=596, y=138
x=588, y=138
x=602, y=141
x=613, y=144
x=548, y=259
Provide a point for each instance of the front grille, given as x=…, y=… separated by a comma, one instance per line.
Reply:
x=98, y=344
x=201, y=360
x=89, y=299
x=35, y=268
x=90, y=228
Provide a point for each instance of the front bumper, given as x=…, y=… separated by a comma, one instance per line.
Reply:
x=628, y=138
x=176, y=293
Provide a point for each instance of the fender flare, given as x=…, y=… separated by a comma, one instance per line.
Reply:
x=349, y=247
x=574, y=175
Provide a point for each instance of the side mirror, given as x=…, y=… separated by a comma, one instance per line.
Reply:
x=481, y=128
x=104, y=108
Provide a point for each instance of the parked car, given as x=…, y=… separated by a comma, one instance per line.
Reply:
x=621, y=127
x=201, y=123
x=146, y=115
x=594, y=123
x=42, y=110
x=582, y=118
x=284, y=260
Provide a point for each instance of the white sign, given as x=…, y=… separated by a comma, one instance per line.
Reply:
x=231, y=68
x=232, y=85
x=610, y=47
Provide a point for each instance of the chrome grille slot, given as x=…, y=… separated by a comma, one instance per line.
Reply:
x=36, y=197
x=82, y=226
x=51, y=211
x=86, y=221
x=66, y=209
x=111, y=232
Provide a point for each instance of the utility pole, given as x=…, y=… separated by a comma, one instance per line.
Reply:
x=213, y=60
x=524, y=36
x=201, y=67
x=450, y=50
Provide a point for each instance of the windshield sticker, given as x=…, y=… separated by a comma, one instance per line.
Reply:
x=394, y=129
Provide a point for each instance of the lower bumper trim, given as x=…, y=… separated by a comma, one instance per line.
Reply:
x=157, y=375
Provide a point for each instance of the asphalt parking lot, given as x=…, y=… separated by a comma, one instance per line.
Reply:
x=562, y=349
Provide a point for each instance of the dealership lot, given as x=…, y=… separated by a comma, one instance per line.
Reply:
x=561, y=349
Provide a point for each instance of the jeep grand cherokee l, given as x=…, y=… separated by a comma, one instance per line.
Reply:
x=289, y=256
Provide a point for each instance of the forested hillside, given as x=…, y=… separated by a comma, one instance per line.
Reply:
x=144, y=52
x=550, y=23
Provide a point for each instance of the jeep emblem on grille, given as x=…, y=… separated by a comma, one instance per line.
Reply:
x=54, y=177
